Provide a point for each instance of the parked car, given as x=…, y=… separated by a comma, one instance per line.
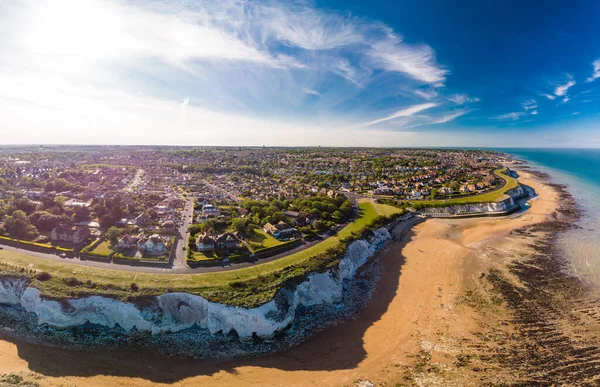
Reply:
x=62, y=255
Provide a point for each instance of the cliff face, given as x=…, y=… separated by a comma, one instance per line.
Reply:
x=173, y=312
x=474, y=208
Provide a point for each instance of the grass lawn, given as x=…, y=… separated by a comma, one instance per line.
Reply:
x=487, y=197
x=385, y=209
x=103, y=248
x=215, y=286
x=264, y=239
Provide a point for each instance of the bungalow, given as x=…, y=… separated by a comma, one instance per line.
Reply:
x=70, y=234
x=153, y=246
x=205, y=242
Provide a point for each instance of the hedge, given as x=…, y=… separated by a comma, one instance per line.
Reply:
x=34, y=244
x=274, y=250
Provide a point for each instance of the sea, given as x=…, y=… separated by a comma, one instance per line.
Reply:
x=579, y=170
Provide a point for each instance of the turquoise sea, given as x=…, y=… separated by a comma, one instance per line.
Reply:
x=579, y=169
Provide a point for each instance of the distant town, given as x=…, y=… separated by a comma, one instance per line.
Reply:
x=189, y=206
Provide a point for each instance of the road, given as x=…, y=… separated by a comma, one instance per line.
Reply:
x=137, y=179
x=181, y=240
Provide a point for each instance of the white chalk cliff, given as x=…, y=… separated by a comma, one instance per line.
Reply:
x=172, y=312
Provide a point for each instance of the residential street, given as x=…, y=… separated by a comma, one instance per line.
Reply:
x=182, y=235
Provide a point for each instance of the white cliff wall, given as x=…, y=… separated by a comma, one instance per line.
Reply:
x=172, y=312
x=473, y=208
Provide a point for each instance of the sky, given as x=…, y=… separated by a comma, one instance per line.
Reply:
x=300, y=73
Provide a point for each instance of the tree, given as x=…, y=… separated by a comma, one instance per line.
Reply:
x=239, y=225
x=106, y=221
x=82, y=213
x=113, y=234
x=17, y=226
x=44, y=220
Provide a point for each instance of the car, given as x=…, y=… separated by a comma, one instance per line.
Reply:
x=1, y=248
x=62, y=255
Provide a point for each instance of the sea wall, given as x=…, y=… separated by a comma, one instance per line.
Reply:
x=174, y=312
x=503, y=206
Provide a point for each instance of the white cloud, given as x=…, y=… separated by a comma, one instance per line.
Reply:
x=309, y=28
x=549, y=96
x=461, y=99
x=426, y=94
x=529, y=105
x=442, y=119
x=566, y=99
x=73, y=67
x=311, y=92
x=534, y=113
x=407, y=112
x=596, y=73
x=417, y=61
x=510, y=116
x=562, y=89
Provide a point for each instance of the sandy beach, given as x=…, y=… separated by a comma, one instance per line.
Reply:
x=438, y=314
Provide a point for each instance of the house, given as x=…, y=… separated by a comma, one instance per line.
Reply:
x=143, y=219
x=281, y=230
x=291, y=214
x=153, y=246
x=70, y=234
x=446, y=191
x=210, y=211
x=205, y=242
x=127, y=242
x=227, y=241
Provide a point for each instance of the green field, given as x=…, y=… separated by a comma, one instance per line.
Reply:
x=250, y=286
x=487, y=197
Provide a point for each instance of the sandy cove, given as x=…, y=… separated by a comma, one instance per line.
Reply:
x=416, y=329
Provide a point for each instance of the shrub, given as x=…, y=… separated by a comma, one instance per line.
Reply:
x=73, y=282
x=134, y=287
x=43, y=276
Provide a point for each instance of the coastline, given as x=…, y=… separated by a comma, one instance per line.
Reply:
x=427, y=316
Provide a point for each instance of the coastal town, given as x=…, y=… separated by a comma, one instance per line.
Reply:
x=190, y=207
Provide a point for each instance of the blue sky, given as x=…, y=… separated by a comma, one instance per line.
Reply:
x=341, y=73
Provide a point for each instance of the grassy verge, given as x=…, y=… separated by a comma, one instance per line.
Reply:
x=248, y=287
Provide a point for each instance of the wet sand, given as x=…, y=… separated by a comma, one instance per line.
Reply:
x=421, y=326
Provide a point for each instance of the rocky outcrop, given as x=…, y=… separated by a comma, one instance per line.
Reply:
x=173, y=312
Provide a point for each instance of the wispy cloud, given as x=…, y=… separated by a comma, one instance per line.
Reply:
x=426, y=93
x=311, y=92
x=416, y=61
x=549, y=96
x=562, y=89
x=510, y=116
x=461, y=99
x=530, y=104
x=114, y=60
x=407, y=112
x=596, y=73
